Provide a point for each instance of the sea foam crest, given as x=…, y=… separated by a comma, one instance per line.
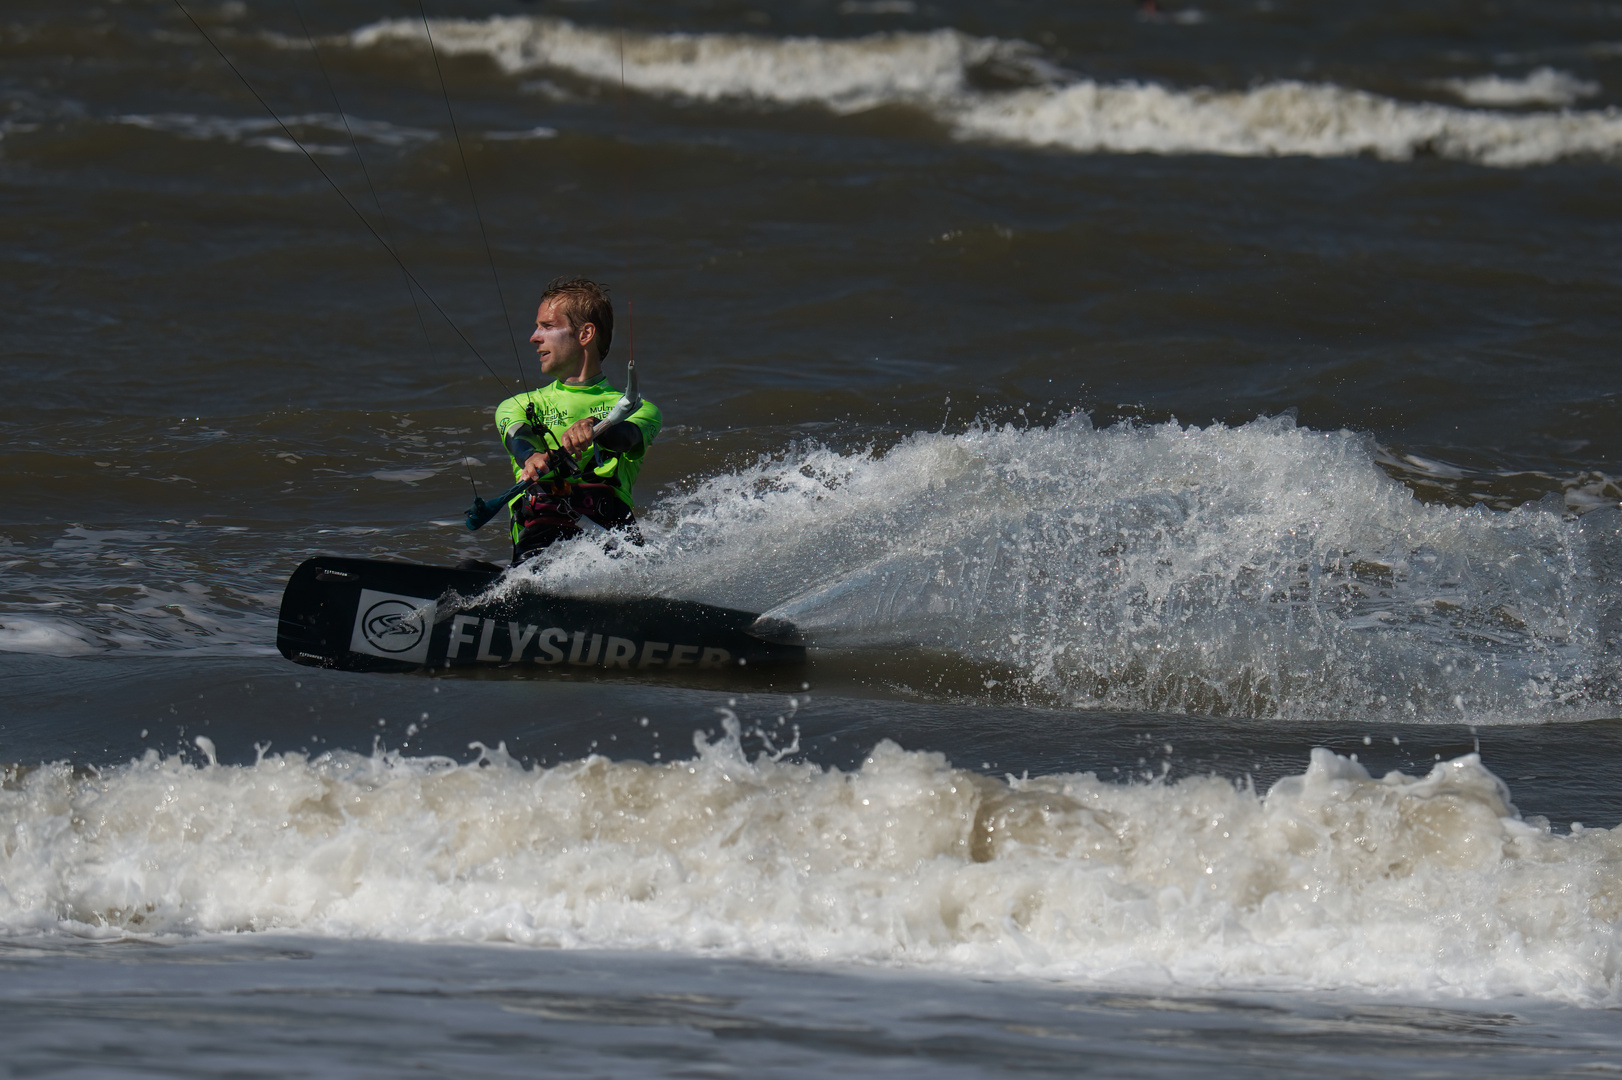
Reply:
x=842, y=74
x=1281, y=118
x=1263, y=570
x=1333, y=879
x=1543, y=86
x=932, y=71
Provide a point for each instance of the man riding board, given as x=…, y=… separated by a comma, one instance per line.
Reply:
x=592, y=477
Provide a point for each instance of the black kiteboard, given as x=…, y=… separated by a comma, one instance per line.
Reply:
x=377, y=615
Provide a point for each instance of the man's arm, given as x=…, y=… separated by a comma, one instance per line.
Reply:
x=533, y=459
x=622, y=438
x=526, y=450
x=522, y=443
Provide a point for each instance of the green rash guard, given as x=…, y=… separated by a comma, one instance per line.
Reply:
x=559, y=406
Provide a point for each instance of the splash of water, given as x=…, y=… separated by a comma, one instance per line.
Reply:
x=1264, y=570
x=1428, y=884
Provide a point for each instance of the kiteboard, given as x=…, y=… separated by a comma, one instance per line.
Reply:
x=385, y=616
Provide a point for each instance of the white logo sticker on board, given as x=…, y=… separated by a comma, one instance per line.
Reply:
x=393, y=626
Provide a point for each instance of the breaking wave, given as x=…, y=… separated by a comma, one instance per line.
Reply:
x=1333, y=879
x=1282, y=118
x=1544, y=86
x=1264, y=570
x=845, y=75
x=944, y=72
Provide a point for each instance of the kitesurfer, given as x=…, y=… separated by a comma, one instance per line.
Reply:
x=592, y=476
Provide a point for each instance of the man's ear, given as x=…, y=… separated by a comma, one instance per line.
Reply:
x=587, y=333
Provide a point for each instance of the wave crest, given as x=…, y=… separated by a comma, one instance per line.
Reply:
x=1333, y=879
x=846, y=75
x=943, y=72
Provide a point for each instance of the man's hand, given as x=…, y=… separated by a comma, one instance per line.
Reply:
x=534, y=466
x=576, y=441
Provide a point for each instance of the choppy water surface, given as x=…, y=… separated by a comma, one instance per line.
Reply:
x=1187, y=438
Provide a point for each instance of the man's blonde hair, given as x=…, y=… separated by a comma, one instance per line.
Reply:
x=581, y=301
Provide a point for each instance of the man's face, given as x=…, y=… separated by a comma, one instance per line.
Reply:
x=557, y=346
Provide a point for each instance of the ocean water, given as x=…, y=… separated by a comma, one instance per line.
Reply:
x=1188, y=439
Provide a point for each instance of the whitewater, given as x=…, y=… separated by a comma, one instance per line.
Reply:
x=1264, y=570
x=1039, y=103
x=1420, y=885
x=1186, y=441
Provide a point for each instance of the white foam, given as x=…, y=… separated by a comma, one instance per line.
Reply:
x=1282, y=118
x=1229, y=570
x=1542, y=86
x=49, y=637
x=138, y=590
x=1427, y=885
x=404, y=476
x=932, y=71
x=267, y=134
x=843, y=74
x=538, y=132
